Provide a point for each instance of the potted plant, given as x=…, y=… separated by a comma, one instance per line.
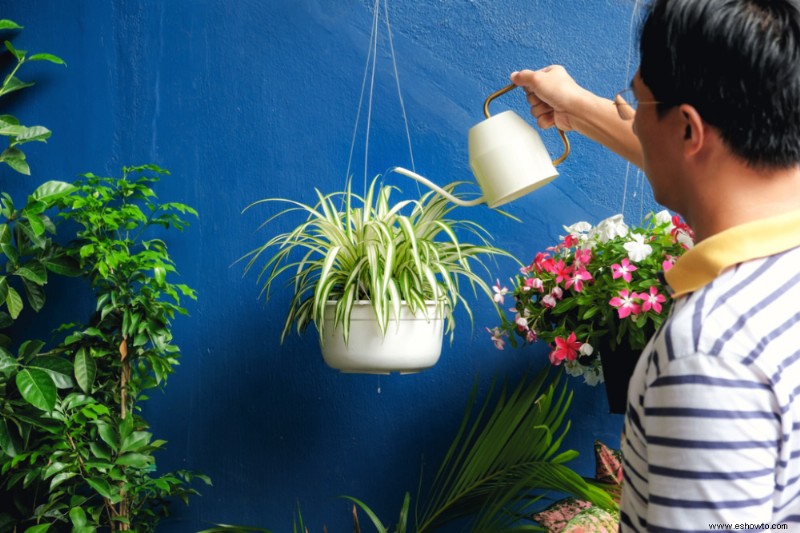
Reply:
x=596, y=297
x=381, y=286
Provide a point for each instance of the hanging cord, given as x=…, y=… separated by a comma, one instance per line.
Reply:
x=372, y=38
x=397, y=80
x=627, y=80
x=369, y=72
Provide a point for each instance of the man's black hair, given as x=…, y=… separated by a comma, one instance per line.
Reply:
x=738, y=63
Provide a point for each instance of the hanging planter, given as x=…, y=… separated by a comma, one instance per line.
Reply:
x=618, y=366
x=412, y=341
x=357, y=264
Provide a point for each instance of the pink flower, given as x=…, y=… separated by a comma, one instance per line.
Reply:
x=668, y=263
x=497, y=337
x=565, y=349
x=543, y=263
x=521, y=322
x=583, y=257
x=531, y=336
x=570, y=241
x=577, y=279
x=625, y=303
x=549, y=301
x=499, y=294
x=533, y=283
x=652, y=301
x=561, y=271
x=557, y=292
x=623, y=271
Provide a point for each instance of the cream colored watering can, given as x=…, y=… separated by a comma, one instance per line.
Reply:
x=507, y=157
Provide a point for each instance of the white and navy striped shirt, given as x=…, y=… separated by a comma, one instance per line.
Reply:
x=712, y=432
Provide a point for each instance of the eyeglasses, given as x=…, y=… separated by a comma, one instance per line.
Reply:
x=627, y=105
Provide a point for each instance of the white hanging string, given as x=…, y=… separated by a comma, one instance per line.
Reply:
x=372, y=38
x=399, y=92
x=628, y=76
x=369, y=72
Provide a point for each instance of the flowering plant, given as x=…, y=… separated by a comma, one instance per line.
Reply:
x=598, y=289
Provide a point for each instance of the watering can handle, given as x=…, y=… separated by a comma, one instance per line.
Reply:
x=511, y=87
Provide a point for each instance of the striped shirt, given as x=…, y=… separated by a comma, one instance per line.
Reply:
x=712, y=431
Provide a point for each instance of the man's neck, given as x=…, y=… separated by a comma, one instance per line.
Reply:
x=733, y=194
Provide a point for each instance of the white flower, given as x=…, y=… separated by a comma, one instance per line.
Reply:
x=574, y=368
x=578, y=227
x=685, y=239
x=579, y=230
x=637, y=249
x=586, y=349
x=664, y=217
x=609, y=228
x=593, y=375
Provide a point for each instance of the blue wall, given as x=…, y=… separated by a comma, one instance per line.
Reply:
x=248, y=99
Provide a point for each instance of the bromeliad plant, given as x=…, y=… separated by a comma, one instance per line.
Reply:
x=597, y=289
x=505, y=460
x=351, y=248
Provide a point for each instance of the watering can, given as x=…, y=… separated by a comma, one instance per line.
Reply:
x=507, y=157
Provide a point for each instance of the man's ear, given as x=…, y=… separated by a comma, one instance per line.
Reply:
x=694, y=129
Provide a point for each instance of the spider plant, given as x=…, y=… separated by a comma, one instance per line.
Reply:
x=351, y=248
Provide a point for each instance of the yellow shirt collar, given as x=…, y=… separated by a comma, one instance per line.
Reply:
x=761, y=238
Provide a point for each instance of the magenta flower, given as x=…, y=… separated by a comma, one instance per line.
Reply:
x=623, y=271
x=652, y=301
x=583, y=257
x=565, y=349
x=625, y=303
x=578, y=277
x=561, y=271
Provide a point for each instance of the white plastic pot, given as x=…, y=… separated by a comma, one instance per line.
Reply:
x=411, y=344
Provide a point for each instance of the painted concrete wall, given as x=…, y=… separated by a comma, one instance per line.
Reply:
x=249, y=99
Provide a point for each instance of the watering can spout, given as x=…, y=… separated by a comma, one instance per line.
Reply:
x=428, y=183
x=507, y=157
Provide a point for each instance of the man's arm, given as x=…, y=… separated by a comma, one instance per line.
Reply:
x=557, y=100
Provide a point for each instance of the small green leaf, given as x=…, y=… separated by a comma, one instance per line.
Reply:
x=35, y=294
x=37, y=388
x=19, y=54
x=77, y=516
x=6, y=441
x=136, y=460
x=101, y=486
x=60, y=478
x=60, y=370
x=7, y=363
x=99, y=451
x=41, y=528
x=108, y=434
x=5, y=234
x=160, y=275
x=85, y=370
x=17, y=163
x=34, y=271
x=30, y=348
x=47, y=57
x=136, y=441
x=6, y=24
x=63, y=265
x=50, y=191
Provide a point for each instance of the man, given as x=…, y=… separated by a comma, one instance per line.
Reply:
x=712, y=431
